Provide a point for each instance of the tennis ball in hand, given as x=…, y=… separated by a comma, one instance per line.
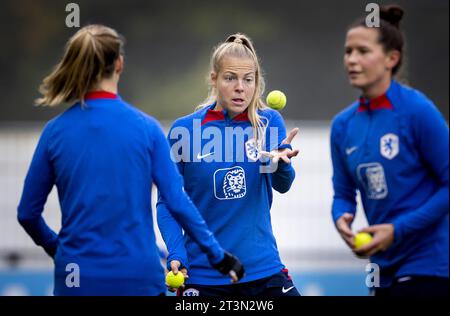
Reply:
x=362, y=239
x=276, y=100
x=174, y=280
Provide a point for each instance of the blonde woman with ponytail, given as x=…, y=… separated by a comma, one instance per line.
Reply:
x=103, y=156
x=232, y=151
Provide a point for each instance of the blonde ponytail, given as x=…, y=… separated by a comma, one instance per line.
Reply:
x=240, y=45
x=89, y=56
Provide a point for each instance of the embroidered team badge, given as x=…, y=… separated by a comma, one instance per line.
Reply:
x=371, y=176
x=252, y=149
x=229, y=183
x=389, y=146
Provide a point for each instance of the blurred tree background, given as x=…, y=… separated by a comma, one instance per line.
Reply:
x=169, y=44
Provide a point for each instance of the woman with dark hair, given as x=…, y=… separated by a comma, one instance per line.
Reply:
x=392, y=145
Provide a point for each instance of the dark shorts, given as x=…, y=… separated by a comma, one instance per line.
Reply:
x=279, y=284
x=416, y=286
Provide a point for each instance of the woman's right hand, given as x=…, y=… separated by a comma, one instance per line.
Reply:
x=343, y=225
x=175, y=268
x=230, y=265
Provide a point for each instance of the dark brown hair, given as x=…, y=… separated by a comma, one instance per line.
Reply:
x=390, y=35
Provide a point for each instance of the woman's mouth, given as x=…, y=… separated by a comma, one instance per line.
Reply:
x=238, y=101
x=354, y=74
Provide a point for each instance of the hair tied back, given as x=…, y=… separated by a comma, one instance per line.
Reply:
x=392, y=14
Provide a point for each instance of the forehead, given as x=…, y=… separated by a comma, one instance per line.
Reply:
x=361, y=36
x=237, y=65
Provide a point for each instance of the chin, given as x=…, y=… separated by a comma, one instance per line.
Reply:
x=356, y=83
x=238, y=108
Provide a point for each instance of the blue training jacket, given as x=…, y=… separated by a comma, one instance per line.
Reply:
x=223, y=178
x=103, y=158
x=394, y=149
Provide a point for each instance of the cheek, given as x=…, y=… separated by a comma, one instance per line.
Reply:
x=374, y=63
x=251, y=88
x=223, y=88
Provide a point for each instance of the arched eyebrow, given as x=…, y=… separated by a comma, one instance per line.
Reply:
x=235, y=73
x=357, y=47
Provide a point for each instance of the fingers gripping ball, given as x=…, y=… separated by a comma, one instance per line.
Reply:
x=174, y=280
x=276, y=99
x=362, y=239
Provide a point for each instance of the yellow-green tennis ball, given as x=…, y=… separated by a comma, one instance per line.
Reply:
x=174, y=280
x=362, y=239
x=276, y=100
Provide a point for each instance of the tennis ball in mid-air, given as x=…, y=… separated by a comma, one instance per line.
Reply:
x=276, y=99
x=362, y=239
x=174, y=280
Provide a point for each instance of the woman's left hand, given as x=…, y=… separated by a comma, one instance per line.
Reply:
x=383, y=237
x=284, y=154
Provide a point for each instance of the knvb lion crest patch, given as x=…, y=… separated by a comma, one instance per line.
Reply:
x=389, y=146
x=252, y=149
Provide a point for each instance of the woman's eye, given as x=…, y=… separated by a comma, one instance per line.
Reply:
x=363, y=50
x=249, y=80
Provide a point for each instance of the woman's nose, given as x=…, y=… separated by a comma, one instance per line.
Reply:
x=239, y=85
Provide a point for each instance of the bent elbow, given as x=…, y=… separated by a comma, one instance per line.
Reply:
x=283, y=188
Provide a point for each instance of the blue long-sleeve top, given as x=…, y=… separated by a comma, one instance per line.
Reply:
x=230, y=187
x=394, y=149
x=103, y=157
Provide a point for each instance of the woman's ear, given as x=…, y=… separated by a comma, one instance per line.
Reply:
x=393, y=58
x=213, y=77
x=119, y=65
